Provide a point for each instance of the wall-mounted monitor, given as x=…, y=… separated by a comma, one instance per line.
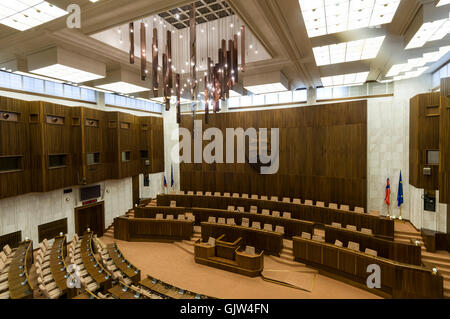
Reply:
x=91, y=192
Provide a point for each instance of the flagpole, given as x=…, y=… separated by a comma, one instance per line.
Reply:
x=400, y=217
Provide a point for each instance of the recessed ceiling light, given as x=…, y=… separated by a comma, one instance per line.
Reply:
x=348, y=51
x=345, y=79
x=66, y=73
x=122, y=87
x=429, y=31
x=26, y=14
x=442, y=3
x=331, y=16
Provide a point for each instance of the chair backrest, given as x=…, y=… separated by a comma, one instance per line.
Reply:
x=180, y=192
x=306, y=235
x=359, y=210
x=217, y=194
x=286, y=200
x=221, y=220
x=296, y=201
x=256, y=225
x=279, y=229
x=318, y=238
x=286, y=215
x=374, y=213
x=250, y=250
x=226, y=194
x=253, y=209
x=254, y=196
x=241, y=209
x=263, y=197
x=351, y=227
x=268, y=227
x=2, y=265
x=308, y=202
x=231, y=208
x=334, y=224
x=245, y=222
x=208, y=194
x=338, y=243
x=367, y=231
x=275, y=198
x=190, y=193
x=159, y=216
x=344, y=207
x=353, y=246
x=235, y=195
x=320, y=204
x=199, y=193
x=7, y=250
x=266, y=212
x=230, y=221
x=276, y=213
x=244, y=195
x=211, y=241
x=173, y=203
x=169, y=217
x=211, y=219
x=333, y=206
x=371, y=252
x=181, y=217
x=172, y=192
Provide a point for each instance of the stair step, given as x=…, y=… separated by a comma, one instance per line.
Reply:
x=408, y=237
x=287, y=256
x=436, y=257
x=438, y=263
x=401, y=232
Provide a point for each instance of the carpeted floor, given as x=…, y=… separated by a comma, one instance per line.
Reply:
x=177, y=267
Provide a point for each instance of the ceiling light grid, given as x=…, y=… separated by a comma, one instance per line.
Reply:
x=414, y=65
x=66, y=73
x=26, y=14
x=442, y=3
x=345, y=79
x=331, y=16
x=348, y=51
x=430, y=31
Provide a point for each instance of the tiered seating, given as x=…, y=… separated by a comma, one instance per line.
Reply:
x=50, y=268
x=6, y=256
x=166, y=291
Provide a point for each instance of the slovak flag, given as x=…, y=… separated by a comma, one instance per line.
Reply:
x=387, y=198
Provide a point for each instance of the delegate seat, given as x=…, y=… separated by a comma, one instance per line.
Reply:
x=266, y=212
x=306, y=235
x=338, y=243
x=241, y=209
x=276, y=213
x=230, y=221
x=253, y=209
x=268, y=227
x=359, y=210
x=366, y=231
x=190, y=193
x=256, y=225
x=245, y=222
x=296, y=201
x=199, y=193
x=279, y=229
x=159, y=216
x=254, y=196
x=286, y=200
x=344, y=207
x=208, y=194
x=353, y=246
x=173, y=203
x=211, y=219
x=318, y=238
x=308, y=202
x=217, y=194
x=180, y=193
x=338, y=225
x=320, y=204
x=169, y=217
x=231, y=208
x=226, y=195
x=236, y=195
x=333, y=205
x=264, y=197
x=221, y=220
x=274, y=198
x=244, y=195
x=371, y=252
x=351, y=227
x=250, y=250
x=287, y=215
x=181, y=217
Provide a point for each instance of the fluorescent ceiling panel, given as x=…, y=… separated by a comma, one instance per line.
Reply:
x=429, y=31
x=442, y=3
x=235, y=93
x=173, y=100
x=331, y=16
x=266, y=88
x=26, y=14
x=122, y=87
x=345, y=79
x=66, y=73
x=417, y=63
x=348, y=51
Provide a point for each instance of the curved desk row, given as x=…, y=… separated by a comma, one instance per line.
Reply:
x=58, y=266
x=18, y=274
x=397, y=279
x=270, y=242
x=381, y=226
x=168, y=291
x=146, y=229
x=122, y=264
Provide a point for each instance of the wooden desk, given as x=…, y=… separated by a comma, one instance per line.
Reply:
x=145, y=229
x=123, y=292
x=270, y=242
x=152, y=211
x=401, y=252
x=124, y=266
x=226, y=248
x=168, y=291
x=18, y=274
x=95, y=269
x=381, y=226
x=397, y=279
x=58, y=266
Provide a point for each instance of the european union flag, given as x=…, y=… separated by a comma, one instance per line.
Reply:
x=171, y=179
x=400, y=191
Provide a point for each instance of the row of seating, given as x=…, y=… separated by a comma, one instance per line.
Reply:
x=74, y=249
x=46, y=281
x=182, y=217
x=351, y=245
x=366, y=231
x=275, y=198
x=250, y=250
x=246, y=223
x=5, y=261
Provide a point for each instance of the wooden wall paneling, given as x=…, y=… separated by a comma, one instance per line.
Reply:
x=323, y=154
x=113, y=156
x=129, y=139
x=77, y=135
x=145, y=144
x=157, y=145
x=14, y=141
x=444, y=145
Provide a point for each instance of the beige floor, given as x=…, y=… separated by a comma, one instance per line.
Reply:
x=177, y=267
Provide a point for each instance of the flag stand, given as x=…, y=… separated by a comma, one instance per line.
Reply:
x=400, y=217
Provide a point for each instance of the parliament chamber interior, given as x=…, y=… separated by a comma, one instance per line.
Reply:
x=224, y=149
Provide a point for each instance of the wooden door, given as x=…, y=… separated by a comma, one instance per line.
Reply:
x=91, y=216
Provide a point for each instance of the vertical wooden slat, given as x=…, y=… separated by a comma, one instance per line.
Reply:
x=206, y=101
x=169, y=59
x=235, y=75
x=143, y=53
x=131, y=31
x=155, y=62
x=166, y=82
x=178, y=88
x=243, y=48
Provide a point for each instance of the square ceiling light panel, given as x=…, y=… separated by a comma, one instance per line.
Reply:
x=345, y=79
x=442, y=3
x=429, y=31
x=65, y=65
x=270, y=82
x=331, y=16
x=348, y=51
x=122, y=87
x=26, y=14
x=123, y=81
